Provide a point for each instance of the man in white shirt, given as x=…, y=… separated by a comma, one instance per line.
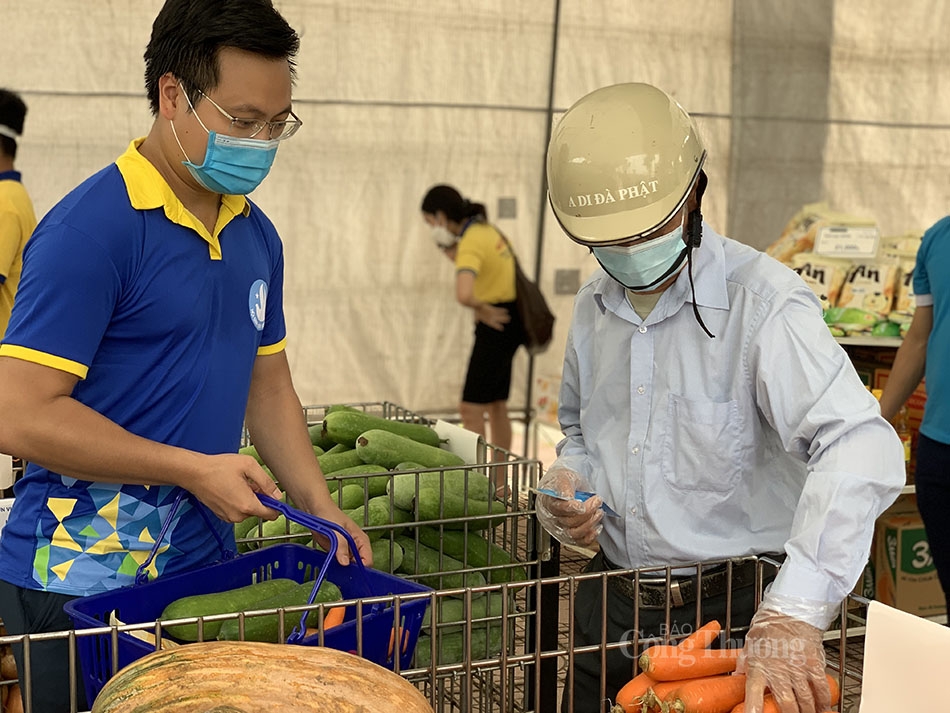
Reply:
x=703, y=399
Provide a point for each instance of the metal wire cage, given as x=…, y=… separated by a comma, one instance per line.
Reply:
x=513, y=646
x=500, y=634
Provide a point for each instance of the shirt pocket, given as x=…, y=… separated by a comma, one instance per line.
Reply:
x=701, y=447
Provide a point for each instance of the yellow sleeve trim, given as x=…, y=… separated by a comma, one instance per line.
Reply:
x=38, y=357
x=272, y=348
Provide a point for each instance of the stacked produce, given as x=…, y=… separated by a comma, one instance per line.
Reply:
x=691, y=677
x=389, y=474
x=427, y=515
x=270, y=594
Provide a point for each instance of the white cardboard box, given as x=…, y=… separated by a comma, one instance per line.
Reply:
x=6, y=504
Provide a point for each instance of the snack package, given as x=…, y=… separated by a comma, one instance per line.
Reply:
x=870, y=287
x=800, y=232
x=904, y=303
x=845, y=321
x=823, y=275
x=901, y=247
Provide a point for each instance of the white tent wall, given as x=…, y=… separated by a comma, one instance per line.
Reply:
x=845, y=101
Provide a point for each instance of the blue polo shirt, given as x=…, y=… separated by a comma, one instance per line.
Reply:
x=162, y=322
x=932, y=287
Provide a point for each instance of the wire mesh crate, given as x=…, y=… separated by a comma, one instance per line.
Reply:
x=529, y=676
x=479, y=556
x=526, y=671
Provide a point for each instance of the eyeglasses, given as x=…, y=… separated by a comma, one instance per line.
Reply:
x=250, y=128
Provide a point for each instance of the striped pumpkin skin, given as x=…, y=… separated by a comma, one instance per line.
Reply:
x=251, y=677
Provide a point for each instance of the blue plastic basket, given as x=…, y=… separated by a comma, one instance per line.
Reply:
x=144, y=603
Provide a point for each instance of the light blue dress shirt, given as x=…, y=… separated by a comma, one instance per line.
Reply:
x=761, y=440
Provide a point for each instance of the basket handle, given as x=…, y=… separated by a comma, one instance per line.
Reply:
x=329, y=530
x=141, y=575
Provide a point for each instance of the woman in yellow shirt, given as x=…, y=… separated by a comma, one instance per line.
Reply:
x=485, y=282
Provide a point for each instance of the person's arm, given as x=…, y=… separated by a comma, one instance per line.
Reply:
x=278, y=430
x=494, y=317
x=808, y=391
x=909, y=362
x=55, y=431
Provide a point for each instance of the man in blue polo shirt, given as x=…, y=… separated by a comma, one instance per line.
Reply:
x=147, y=329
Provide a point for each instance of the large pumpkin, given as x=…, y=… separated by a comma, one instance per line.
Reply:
x=250, y=677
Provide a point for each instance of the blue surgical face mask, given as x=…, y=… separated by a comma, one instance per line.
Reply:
x=642, y=266
x=232, y=165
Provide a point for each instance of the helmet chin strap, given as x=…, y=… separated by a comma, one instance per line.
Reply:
x=694, y=236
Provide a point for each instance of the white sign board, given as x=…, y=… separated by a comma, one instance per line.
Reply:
x=847, y=241
x=905, y=661
x=6, y=504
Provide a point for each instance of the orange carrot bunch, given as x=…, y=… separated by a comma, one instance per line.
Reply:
x=641, y=692
x=692, y=678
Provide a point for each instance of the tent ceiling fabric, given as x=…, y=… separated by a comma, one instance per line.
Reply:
x=843, y=101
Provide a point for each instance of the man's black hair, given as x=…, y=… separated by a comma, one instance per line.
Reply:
x=12, y=115
x=188, y=35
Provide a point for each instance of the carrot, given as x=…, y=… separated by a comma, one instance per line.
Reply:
x=834, y=688
x=630, y=697
x=670, y=663
x=712, y=694
x=768, y=705
x=703, y=637
x=654, y=697
x=333, y=617
x=664, y=688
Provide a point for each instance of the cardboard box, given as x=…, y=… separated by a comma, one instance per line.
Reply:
x=903, y=505
x=865, y=586
x=906, y=576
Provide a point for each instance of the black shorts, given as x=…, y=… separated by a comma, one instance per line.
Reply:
x=489, y=368
x=29, y=611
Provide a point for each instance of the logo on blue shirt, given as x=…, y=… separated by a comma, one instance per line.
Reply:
x=257, y=301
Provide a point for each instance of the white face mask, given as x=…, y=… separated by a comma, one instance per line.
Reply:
x=443, y=237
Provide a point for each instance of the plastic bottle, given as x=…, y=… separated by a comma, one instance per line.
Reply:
x=902, y=426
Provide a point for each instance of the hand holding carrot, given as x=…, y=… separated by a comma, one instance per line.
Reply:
x=786, y=656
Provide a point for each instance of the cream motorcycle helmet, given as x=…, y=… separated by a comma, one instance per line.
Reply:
x=622, y=162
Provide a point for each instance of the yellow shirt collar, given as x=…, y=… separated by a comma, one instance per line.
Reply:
x=148, y=190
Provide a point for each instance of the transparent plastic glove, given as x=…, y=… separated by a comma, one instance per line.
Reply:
x=785, y=655
x=569, y=521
